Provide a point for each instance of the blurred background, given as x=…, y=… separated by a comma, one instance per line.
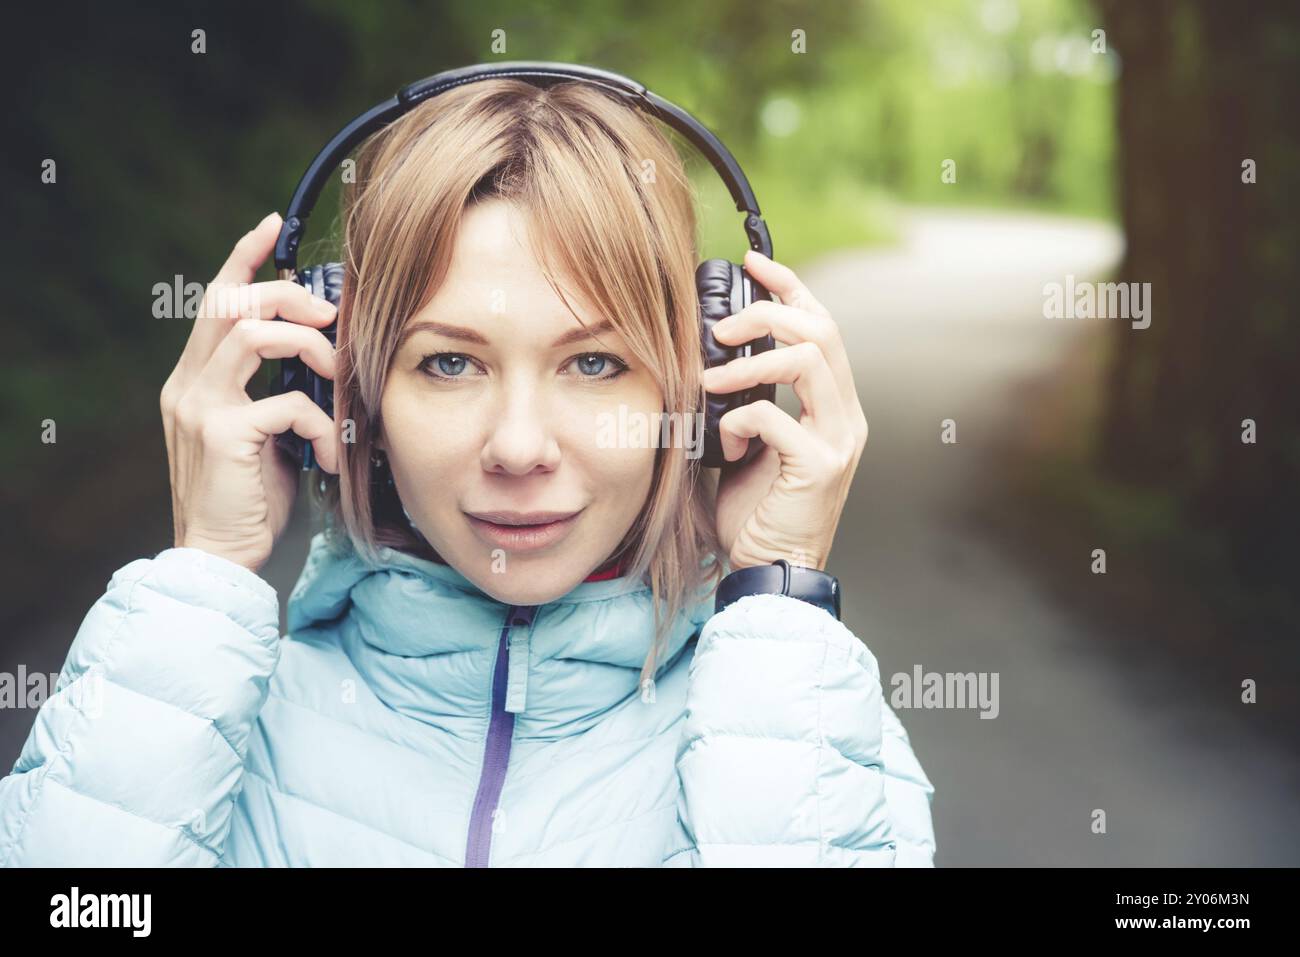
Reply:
x=928, y=169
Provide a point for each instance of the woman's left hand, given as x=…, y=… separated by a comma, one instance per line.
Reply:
x=786, y=503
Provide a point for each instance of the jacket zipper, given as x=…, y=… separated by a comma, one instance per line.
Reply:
x=496, y=755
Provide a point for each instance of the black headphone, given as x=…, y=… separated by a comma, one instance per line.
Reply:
x=724, y=287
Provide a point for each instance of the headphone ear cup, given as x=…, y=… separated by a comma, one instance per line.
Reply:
x=326, y=282
x=724, y=289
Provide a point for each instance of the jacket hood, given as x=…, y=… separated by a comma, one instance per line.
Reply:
x=425, y=638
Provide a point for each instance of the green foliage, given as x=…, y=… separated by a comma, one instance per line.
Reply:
x=166, y=156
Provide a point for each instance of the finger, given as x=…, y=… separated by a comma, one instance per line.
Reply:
x=782, y=281
x=790, y=326
x=250, y=252
x=226, y=305
x=240, y=354
x=802, y=366
x=769, y=422
x=278, y=298
x=230, y=283
x=222, y=296
x=293, y=410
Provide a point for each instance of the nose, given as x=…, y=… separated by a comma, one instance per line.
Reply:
x=521, y=439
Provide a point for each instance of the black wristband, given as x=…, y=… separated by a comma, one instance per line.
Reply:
x=781, y=578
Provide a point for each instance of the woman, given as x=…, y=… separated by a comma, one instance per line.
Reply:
x=503, y=650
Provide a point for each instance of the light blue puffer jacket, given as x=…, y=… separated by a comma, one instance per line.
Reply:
x=409, y=719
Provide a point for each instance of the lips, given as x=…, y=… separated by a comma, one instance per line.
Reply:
x=522, y=518
x=522, y=531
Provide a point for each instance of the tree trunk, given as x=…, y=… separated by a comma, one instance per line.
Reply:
x=1204, y=87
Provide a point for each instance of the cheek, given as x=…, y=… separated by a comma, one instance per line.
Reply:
x=622, y=474
x=616, y=432
x=426, y=434
x=614, y=438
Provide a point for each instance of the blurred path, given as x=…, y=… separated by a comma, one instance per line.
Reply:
x=942, y=327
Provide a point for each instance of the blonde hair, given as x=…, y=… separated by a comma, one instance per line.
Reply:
x=575, y=160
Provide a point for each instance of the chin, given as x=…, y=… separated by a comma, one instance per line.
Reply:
x=520, y=588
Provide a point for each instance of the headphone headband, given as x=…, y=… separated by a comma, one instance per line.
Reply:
x=542, y=74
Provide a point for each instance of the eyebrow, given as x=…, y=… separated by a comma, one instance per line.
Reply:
x=465, y=334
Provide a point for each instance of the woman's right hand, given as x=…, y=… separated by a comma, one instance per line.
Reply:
x=232, y=489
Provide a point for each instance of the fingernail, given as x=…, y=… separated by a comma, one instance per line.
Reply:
x=269, y=216
x=760, y=255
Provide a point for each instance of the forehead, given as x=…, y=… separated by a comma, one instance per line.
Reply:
x=493, y=272
x=494, y=236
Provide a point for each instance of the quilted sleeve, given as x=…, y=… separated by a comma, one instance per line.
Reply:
x=789, y=756
x=908, y=792
x=137, y=757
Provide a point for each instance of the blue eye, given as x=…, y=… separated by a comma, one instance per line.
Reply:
x=450, y=365
x=593, y=370
x=457, y=364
